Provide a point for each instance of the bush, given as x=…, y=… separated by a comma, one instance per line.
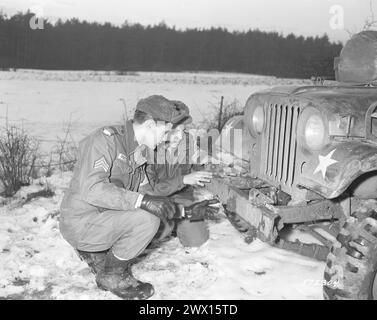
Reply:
x=62, y=156
x=126, y=73
x=65, y=153
x=65, y=150
x=45, y=193
x=18, y=155
x=220, y=116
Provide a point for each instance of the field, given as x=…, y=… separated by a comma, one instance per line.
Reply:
x=36, y=262
x=44, y=101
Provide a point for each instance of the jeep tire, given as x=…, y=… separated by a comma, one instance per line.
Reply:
x=351, y=267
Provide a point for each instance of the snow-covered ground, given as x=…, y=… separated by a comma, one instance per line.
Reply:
x=37, y=263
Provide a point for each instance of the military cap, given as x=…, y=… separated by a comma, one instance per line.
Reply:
x=162, y=109
x=183, y=116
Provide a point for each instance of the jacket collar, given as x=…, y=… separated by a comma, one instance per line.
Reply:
x=132, y=145
x=130, y=139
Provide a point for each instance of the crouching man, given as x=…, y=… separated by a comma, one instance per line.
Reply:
x=103, y=214
x=172, y=175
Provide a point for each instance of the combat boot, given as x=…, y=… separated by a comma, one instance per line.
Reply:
x=117, y=278
x=95, y=260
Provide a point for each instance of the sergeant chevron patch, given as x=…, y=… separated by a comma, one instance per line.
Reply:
x=101, y=164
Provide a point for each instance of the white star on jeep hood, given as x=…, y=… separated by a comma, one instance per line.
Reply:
x=324, y=163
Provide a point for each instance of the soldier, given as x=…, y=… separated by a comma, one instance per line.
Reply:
x=170, y=174
x=104, y=216
x=171, y=170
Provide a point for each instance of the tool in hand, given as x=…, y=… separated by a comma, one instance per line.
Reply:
x=198, y=211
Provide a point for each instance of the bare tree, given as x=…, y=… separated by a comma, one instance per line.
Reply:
x=370, y=23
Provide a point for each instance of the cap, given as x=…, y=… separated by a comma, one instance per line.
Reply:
x=183, y=115
x=160, y=108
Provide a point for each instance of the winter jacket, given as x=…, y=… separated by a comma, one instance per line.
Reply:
x=106, y=177
x=166, y=178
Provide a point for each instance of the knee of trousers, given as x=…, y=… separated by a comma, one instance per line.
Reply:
x=142, y=227
x=148, y=222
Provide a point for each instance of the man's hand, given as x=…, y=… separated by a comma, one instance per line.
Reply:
x=161, y=207
x=197, y=178
x=201, y=210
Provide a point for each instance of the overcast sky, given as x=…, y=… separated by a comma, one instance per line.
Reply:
x=302, y=17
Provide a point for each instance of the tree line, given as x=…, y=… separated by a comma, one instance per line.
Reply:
x=80, y=45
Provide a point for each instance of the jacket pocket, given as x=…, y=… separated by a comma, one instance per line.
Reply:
x=121, y=172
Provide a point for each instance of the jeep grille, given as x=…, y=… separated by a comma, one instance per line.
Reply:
x=279, y=144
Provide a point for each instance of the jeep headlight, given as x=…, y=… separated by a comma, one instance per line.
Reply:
x=258, y=119
x=315, y=132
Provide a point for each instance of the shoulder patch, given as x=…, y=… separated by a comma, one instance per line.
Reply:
x=110, y=131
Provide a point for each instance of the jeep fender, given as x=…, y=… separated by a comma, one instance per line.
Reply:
x=332, y=170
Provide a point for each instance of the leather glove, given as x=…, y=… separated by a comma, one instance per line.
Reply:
x=162, y=207
x=201, y=210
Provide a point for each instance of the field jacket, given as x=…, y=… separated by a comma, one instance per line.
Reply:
x=106, y=176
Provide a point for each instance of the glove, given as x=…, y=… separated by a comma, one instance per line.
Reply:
x=161, y=207
x=201, y=210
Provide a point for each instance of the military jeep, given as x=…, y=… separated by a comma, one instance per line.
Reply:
x=309, y=161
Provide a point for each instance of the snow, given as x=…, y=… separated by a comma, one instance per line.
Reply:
x=37, y=263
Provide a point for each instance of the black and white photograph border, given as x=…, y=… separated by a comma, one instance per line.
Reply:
x=188, y=150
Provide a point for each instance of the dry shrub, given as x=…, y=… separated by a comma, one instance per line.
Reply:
x=63, y=154
x=18, y=155
x=45, y=193
x=220, y=116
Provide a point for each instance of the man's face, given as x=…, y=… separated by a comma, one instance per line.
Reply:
x=158, y=132
x=175, y=136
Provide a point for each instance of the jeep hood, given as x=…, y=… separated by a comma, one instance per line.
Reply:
x=337, y=102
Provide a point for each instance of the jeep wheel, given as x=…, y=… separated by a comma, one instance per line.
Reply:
x=352, y=263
